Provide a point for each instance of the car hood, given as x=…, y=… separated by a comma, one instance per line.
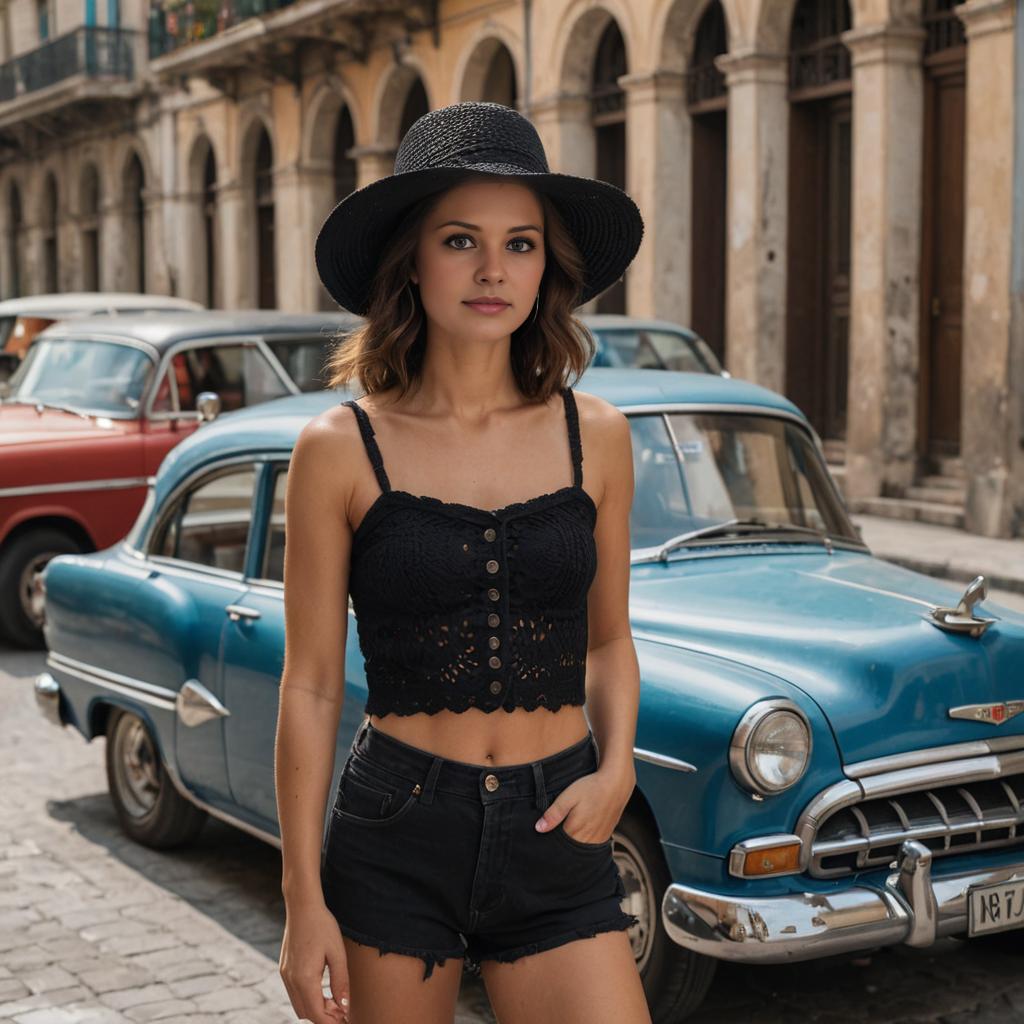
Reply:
x=21, y=424
x=853, y=632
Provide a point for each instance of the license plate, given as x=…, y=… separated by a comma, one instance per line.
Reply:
x=993, y=908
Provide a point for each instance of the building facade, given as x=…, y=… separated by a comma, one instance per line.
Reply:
x=828, y=185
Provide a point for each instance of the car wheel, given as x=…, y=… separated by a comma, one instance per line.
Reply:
x=150, y=809
x=21, y=598
x=675, y=979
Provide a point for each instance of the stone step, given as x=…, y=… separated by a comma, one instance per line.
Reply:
x=938, y=495
x=949, y=465
x=907, y=509
x=952, y=483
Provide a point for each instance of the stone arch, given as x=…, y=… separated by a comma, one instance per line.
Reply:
x=256, y=122
x=14, y=217
x=676, y=29
x=90, y=198
x=49, y=223
x=477, y=62
x=578, y=39
x=394, y=94
x=326, y=105
x=133, y=185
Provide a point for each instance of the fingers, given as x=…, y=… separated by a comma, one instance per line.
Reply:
x=552, y=816
x=337, y=966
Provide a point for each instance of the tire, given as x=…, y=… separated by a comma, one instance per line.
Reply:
x=675, y=979
x=21, y=611
x=149, y=808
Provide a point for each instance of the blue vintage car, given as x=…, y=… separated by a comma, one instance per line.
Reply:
x=830, y=750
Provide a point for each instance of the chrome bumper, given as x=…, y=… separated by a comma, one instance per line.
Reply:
x=912, y=908
x=48, y=697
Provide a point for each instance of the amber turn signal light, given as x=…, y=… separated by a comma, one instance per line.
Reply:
x=774, y=860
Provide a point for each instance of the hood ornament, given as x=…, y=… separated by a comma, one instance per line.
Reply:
x=962, y=619
x=990, y=714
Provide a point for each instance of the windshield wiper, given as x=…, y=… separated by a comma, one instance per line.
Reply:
x=732, y=526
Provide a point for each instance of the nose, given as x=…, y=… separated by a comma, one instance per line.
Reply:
x=492, y=264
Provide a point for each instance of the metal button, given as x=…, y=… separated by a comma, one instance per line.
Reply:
x=493, y=620
x=493, y=594
x=494, y=661
x=493, y=642
x=492, y=566
x=495, y=686
x=491, y=783
x=489, y=534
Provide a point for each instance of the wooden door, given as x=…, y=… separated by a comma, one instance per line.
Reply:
x=707, y=277
x=942, y=262
x=818, y=268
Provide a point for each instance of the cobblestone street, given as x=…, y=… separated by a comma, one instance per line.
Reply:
x=94, y=928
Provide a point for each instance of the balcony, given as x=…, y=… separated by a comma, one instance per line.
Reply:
x=214, y=39
x=91, y=64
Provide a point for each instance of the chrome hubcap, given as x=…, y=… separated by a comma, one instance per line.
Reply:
x=30, y=587
x=639, y=898
x=136, y=769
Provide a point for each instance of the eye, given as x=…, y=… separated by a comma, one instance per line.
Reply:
x=452, y=238
x=526, y=241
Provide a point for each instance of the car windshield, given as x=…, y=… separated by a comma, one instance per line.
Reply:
x=652, y=349
x=729, y=478
x=83, y=374
x=304, y=359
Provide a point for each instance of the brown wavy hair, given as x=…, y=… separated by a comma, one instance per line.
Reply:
x=387, y=348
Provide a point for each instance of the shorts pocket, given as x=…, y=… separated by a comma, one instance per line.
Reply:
x=578, y=844
x=366, y=797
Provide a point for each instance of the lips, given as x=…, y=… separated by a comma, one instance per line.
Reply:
x=488, y=307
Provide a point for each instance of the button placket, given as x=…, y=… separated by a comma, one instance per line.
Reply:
x=494, y=620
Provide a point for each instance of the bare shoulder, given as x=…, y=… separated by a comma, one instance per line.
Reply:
x=327, y=450
x=607, y=445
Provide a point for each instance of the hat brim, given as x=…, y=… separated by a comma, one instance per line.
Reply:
x=604, y=222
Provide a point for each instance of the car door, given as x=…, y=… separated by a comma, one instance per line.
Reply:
x=254, y=659
x=196, y=558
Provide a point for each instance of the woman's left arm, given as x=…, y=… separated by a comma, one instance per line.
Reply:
x=613, y=674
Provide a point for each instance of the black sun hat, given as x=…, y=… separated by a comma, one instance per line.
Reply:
x=446, y=146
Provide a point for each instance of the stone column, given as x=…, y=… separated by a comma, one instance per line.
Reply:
x=757, y=212
x=372, y=162
x=888, y=89
x=299, y=210
x=236, y=246
x=658, y=178
x=989, y=442
x=563, y=124
x=111, y=268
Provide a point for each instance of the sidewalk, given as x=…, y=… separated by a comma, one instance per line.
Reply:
x=942, y=551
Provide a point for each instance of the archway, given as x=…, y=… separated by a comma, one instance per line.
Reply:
x=89, y=216
x=15, y=239
x=263, y=216
x=49, y=234
x=134, y=224
x=490, y=74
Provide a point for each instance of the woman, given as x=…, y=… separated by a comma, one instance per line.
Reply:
x=489, y=579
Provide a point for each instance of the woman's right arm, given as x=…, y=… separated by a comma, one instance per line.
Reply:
x=316, y=566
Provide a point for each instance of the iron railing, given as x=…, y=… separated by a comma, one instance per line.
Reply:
x=175, y=24
x=93, y=50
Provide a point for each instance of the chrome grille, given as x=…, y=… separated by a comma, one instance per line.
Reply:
x=953, y=818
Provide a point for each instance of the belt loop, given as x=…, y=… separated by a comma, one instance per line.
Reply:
x=538, y=785
x=364, y=727
x=427, y=796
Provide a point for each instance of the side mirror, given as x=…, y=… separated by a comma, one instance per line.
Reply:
x=208, y=406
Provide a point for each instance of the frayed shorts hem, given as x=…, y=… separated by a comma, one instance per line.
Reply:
x=614, y=924
x=429, y=957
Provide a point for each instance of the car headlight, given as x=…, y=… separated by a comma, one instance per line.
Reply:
x=771, y=747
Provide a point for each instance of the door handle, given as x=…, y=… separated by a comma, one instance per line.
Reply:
x=239, y=611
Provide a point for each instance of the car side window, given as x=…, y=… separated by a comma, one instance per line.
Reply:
x=163, y=399
x=209, y=524
x=240, y=374
x=272, y=563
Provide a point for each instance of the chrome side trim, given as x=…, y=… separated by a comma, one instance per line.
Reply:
x=196, y=705
x=931, y=755
x=216, y=812
x=663, y=760
x=148, y=693
x=113, y=484
x=912, y=906
x=47, y=691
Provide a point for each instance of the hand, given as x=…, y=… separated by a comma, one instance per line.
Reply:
x=312, y=939
x=591, y=806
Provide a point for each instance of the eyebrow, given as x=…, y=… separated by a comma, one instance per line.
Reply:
x=476, y=227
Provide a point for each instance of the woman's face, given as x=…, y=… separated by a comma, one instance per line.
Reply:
x=483, y=240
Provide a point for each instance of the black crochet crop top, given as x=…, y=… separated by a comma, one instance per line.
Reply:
x=459, y=607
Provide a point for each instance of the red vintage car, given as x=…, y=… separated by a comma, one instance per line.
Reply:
x=97, y=403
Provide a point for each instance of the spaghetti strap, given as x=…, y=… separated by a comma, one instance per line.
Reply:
x=367, y=432
x=575, y=447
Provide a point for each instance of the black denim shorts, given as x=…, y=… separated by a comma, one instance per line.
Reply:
x=436, y=858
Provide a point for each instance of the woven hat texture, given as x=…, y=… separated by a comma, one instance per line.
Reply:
x=446, y=146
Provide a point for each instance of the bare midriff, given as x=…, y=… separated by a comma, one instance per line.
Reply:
x=492, y=738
